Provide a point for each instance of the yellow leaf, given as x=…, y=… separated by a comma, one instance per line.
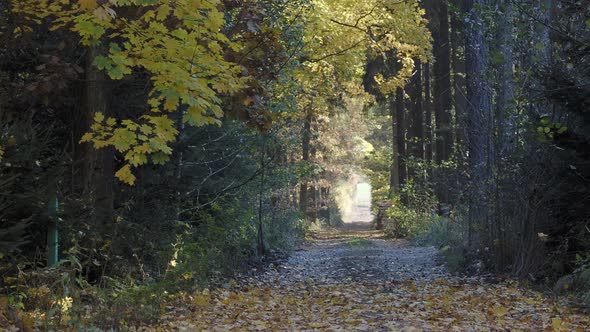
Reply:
x=202, y=300
x=316, y=325
x=87, y=4
x=556, y=323
x=98, y=117
x=500, y=311
x=86, y=138
x=125, y=175
x=171, y=104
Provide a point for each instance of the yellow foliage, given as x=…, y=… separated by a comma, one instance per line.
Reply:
x=124, y=174
x=184, y=57
x=87, y=4
x=343, y=32
x=179, y=44
x=341, y=35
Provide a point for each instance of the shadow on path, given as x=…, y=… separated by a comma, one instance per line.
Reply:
x=357, y=252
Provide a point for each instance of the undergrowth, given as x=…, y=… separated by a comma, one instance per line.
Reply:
x=206, y=254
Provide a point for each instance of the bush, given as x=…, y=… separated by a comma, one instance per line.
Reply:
x=400, y=222
x=437, y=231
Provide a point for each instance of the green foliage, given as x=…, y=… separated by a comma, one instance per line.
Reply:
x=439, y=232
x=377, y=167
x=548, y=130
x=419, y=195
x=403, y=222
x=222, y=241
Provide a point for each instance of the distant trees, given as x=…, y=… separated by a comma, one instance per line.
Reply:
x=498, y=122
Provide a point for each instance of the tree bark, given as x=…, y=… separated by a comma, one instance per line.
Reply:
x=400, y=115
x=429, y=139
x=394, y=171
x=260, y=245
x=503, y=124
x=505, y=94
x=419, y=113
x=312, y=193
x=478, y=132
x=99, y=164
x=442, y=82
x=458, y=67
x=417, y=128
x=306, y=141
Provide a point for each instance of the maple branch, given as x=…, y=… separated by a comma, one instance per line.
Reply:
x=358, y=20
x=348, y=25
x=355, y=45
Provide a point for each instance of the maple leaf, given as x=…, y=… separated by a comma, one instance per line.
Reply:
x=87, y=4
x=499, y=311
x=125, y=175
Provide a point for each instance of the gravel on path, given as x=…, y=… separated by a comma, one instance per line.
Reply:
x=355, y=252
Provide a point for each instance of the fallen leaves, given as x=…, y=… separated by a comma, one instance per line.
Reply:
x=437, y=305
x=333, y=286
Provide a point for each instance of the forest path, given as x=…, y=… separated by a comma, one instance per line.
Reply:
x=354, y=279
x=355, y=252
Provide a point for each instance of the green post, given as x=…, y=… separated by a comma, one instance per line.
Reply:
x=52, y=233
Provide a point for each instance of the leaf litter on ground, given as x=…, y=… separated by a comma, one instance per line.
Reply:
x=385, y=286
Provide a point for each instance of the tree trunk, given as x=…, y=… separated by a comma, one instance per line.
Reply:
x=505, y=94
x=260, y=245
x=458, y=64
x=477, y=114
x=503, y=125
x=429, y=139
x=306, y=140
x=442, y=83
x=313, y=190
x=417, y=128
x=394, y=170
x=400, y=115
x=99, y=164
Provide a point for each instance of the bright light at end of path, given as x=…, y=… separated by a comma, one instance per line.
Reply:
x=362, y=203
x=363, y=193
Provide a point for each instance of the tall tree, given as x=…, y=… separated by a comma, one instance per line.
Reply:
x=416, y=130
x=458, y=67
x=429, y=135
x=400, y=115
x=478, y=93
x=99, y=164
x=442, y=80
x=305, y=151
x=505, y=79
x=394, y=176
x=502, y=122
